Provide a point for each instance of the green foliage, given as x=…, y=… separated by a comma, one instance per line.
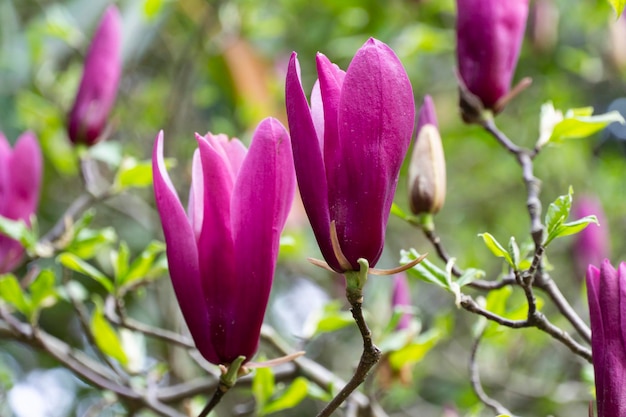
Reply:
x=133, y=173
x=272, y=399
x=74, y=263
x=40, y=294
x=575, y=124
x=18, y=230
x=106, y=338
x=618, y=6
x=556, y=216
x=331, y=317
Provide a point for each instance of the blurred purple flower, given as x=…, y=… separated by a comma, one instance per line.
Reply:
x=98, y=86
x=606, y=292
x=348, y=148
x=20, y=182
x=489, y=36
x=222, y=255
x=427, y=170
x=591, y=245
x=401, y=298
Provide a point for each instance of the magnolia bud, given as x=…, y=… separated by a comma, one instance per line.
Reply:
x=427, y=171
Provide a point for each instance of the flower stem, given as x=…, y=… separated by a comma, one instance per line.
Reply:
x=227, y=381
x=371, y=353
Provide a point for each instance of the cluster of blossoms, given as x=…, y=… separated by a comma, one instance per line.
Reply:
x=345, y=148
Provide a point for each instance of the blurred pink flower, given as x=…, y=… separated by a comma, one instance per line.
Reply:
x=98, y=86
x=591, y=245
x=20, y=182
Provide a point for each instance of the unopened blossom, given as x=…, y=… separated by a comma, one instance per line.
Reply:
x=401, y=298
x=427, y=170
x=348, y=146
x=99, y=84
x=606, y=293
x=20, y=183
x=489, y=36
x=591, y=245
x=222, y=253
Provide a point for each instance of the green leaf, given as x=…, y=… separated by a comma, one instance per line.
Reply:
x=425, y=270
x=88, y=242
x=416, y=351
x=18, y=230
x=262, y=386
x=133, y=173
x=574, y=227
x=557, y=213
x=577, y=123
x=12, y=293
x=143, y=267
x=105, y=336
x=470, y=275
x=289, y=398
x=73, y=262
x=514, y=253
x=496, y=248
x=618, y=6
x=329, y=319
x=120, y=259
x=42, y=292
x=398, y=212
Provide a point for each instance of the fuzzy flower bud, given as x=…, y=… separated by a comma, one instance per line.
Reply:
x=489, y=36
x=98, y=86
x=427, y=170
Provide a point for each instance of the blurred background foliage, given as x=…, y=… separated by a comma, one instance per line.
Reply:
x=204, y=65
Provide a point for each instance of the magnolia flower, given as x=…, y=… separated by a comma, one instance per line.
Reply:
x=489, y=36
x=427, y=170
x=348, y=148
x=20, y=181
x=606, y=292
x=98, y=86
x=222, y=254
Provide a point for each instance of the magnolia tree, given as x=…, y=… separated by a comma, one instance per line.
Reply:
x=343, y=145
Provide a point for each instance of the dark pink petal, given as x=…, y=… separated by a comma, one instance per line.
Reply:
x=308, y=161
x=427, y=114
x=489, y=38
x=25, y=167
x=376, y=120
x=215, y=243
x=317, y=113
x=5, y=154
x=591, y=245
x=401, y=297
x=98, y=86
x=182, y=255
x=261, y=201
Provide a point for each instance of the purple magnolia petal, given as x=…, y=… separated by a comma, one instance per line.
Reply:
x=317, y=113
x=182, y=255
x=376, y=119
x=98, y=86
x=215, y=243
x=308, y=161
x=489, y=38
x=401, y=297
x=5, y=154
x=261, y=201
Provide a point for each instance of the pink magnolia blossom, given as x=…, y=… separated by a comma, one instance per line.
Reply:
x=222, y=253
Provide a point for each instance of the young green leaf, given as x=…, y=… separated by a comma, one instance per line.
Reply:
x=425, y=270
x=73, y=262
x=289, y=398
x=262, y=386
x=514, y=253
x=105, y=336
x=133, y=173
x=18, y=230
x=557, y=214
x=12, y=293
x=120, y=259
x=88, y=242
x=42, y=293
x=143, y=264
x=496, y=248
